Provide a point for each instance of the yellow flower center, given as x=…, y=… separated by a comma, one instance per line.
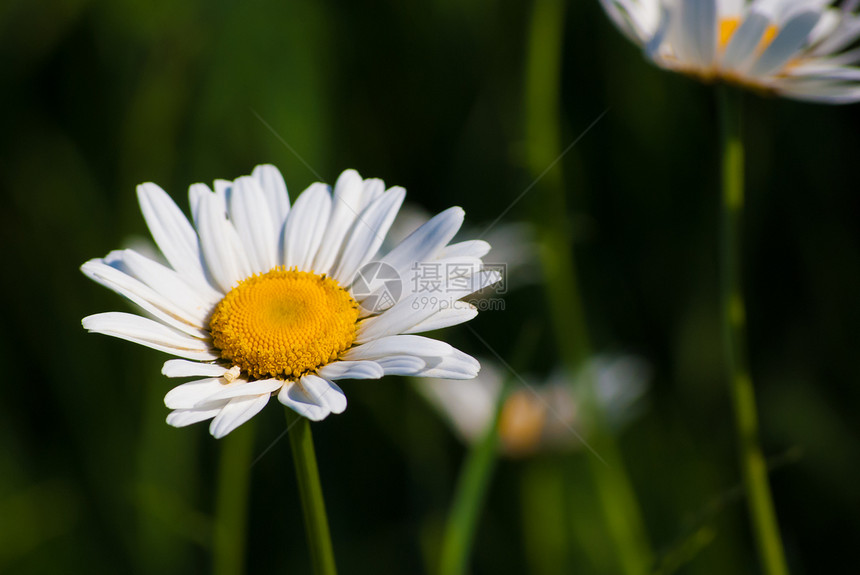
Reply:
x=521, y=423
x=728, y=27
x=284, y=323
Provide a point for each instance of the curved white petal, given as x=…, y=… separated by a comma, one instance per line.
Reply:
x=222, y=248
x=235, y=413
x=443, y=318
x=425, y=242
x=196, y=193
x=275, y=190
x=469, y=248
x=313, y=397
x=242, y=388
x=457, y=365
x=150, y=334
x=418, y=307
x=248, y=208
x=348, y=202
x=367, y=234
x=699, y=19
x=305, y=227
x=351, y=370
x=324, y=392
x=191, y=394
x=185, y=368
x=398, y=345
x=745, y=40
x=145, y=297
x=373, y=188
x=401, y=364
x=184, y=417
x=788, y=41
x=171, y=231
x=197, y=299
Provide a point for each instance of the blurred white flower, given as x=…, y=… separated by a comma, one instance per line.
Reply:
x=546, y=416
x=793, y=48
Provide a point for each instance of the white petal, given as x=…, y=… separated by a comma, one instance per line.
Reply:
x=351, y=370
x=149, y=333
x=305, y=227
x=625, y=19
x=700, y=27
x=401, y=364
x=248, y=208
x=745, y=40
x=195, y=298
x=788, y=41
x=399, y=345
x=190, y=395
x=145, y=297
x=170, y=230
x=275, y=189
x=824, y=92
x=348, y=202
x=324, y=392
x=196, y=193
x=458, y=365
x=842, y=37
x=235, y=413
x=462, y=313
x=185, y=368
x=367, y=234
x=222, y=190
x=415, y=308
x=373, y=188
x=470, y=248
x=242, y=388
x=183, y=417
x=424, y=243
x=221, y=245
x=305, y=399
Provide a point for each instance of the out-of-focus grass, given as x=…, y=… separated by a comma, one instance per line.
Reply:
x=99, y=96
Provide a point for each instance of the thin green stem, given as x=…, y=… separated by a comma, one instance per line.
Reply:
x=477, y=472
x=231, y=506
x=469, y=499
x=615, y=492
x=753, y=465
x=310, y=492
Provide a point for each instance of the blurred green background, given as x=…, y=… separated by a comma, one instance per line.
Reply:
x=98, y=96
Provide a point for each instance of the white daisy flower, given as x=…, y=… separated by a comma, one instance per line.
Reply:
x=793, y=48
x=544, y=417
x=261, y=297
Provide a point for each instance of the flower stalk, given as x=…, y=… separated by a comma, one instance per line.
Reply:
x=733, y=314
x=231, y=505
x=614, y=490
x=310, y=492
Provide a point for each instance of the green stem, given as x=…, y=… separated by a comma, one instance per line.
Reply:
x=310, y=492
x=231, y=506
x=753, y=465
x=469, y=498
x=477, y=471
x=615, y=492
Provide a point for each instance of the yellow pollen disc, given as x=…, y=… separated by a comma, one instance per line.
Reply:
x=521, y=423
x=284, y=323
x=728, y=27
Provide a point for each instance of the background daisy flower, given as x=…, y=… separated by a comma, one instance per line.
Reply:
x=259, y=296
x=793, y=48
x=545, y=417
